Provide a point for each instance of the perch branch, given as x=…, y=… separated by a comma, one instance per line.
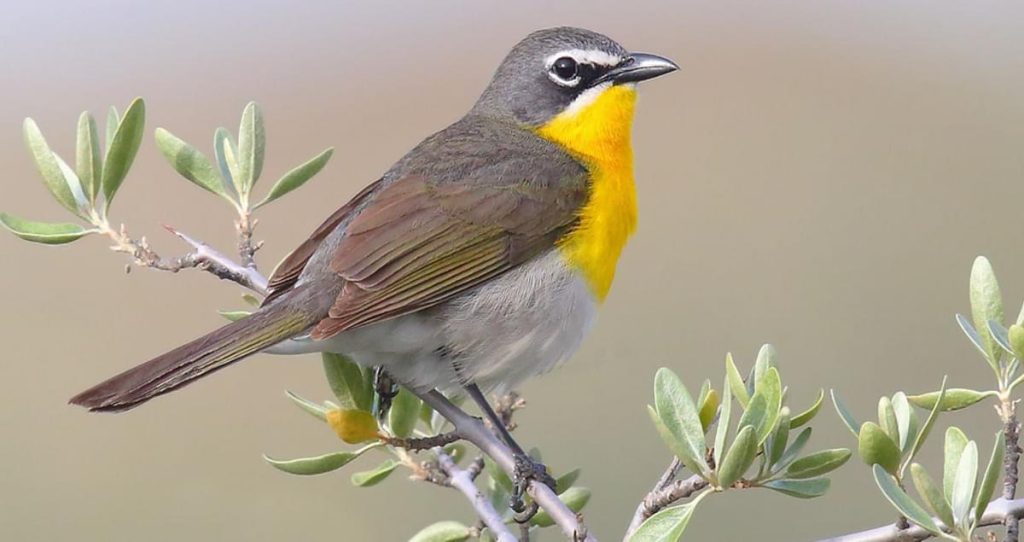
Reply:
x=998, y=512
x=474, y=430
x=665, y=492
x=202, y=256
x=462, y=480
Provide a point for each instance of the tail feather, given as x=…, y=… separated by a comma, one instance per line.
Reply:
x=187, y=363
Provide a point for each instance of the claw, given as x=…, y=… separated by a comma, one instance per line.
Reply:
x=527, y=469
x=386, y=389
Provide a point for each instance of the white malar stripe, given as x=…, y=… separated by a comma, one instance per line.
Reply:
x=585, y=56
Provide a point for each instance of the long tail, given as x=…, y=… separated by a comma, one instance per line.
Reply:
x=187, y=363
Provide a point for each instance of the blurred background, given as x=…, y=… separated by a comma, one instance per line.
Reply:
x=819, y=175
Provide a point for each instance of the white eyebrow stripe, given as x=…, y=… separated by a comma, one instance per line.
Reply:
x=587, y=56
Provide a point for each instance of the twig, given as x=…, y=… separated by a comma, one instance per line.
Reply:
x=665, y=492
x=462, y=480
x=473, y=430
x=997, y=513
x=1011, y=432
x=244, y=226
x=416, y=444
x=202, y=256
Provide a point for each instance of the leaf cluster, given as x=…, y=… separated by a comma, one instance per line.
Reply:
x=757, y=442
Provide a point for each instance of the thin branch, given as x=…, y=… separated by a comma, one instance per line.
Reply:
x=473, y=430
x=999, y=512
x=641, y=509
x=202, y=256
x=244, y=226
x=665, y=492
x=416, y=444
x=462, y=480
x=1011, y=433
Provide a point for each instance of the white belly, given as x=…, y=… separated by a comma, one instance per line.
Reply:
x=519, y=325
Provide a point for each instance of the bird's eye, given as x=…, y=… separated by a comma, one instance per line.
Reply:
x=565, y=68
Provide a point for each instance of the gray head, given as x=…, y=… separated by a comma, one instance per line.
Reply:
x=549, y=69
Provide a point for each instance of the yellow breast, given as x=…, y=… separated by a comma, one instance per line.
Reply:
x=598, y=134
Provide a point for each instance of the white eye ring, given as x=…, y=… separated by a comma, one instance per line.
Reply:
x=559, y=80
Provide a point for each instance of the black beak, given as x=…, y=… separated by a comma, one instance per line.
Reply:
x=637, y=67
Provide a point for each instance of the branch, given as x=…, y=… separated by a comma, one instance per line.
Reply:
x=415, y=444
x=999, y=511
x=463, y=481
x=474, y=430
x=1011, y=433
x=246, y=248
x=202, y=256
x=665, y=492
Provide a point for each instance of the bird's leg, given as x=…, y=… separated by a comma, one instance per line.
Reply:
x=386, y=389
x=526, y=468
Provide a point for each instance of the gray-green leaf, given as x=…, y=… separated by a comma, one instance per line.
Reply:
x=49, y=169
x=806, y=416
x=906, y=421
x=953, y=448
x=769, y=386
x=724, y=419
x=902, y=502
x=739, y=457
x=308, y=406
x=794, y=449
x=251, y=145
x=668, y=524
x=818, y=463
x=347, y=382
x=297, y=177
x=226, y=151
x=887, y=419
x=801, y=489
x=954, y=399
x=678, y=414
x=190, y=163
x=972, y=334
x=849, y=421
x=566, y=480
x=992, y=471
x=113, y=119
x=986, y=304
x=442, y=531
x=43, y=232
x=404, y=413
x=877, y=448
x=574, y=498
x=319, y=464
x=931, y=494
x=926, y=429
x=88, y=161
x=374, y=476
x=1016, y=337
x=123, y=148
x=739, y=388
x=963, y=483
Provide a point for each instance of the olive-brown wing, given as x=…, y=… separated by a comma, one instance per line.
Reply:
x=419, y=243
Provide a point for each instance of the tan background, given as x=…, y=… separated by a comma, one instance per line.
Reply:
x=819, y=175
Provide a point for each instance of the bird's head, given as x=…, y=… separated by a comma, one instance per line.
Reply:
x=561, y=72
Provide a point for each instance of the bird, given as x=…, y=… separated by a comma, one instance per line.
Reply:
x=477, y=260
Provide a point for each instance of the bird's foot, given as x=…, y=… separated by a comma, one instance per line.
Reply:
x=386, y=389
x=526, y=469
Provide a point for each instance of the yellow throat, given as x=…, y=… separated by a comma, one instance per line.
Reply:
x=598, y=134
